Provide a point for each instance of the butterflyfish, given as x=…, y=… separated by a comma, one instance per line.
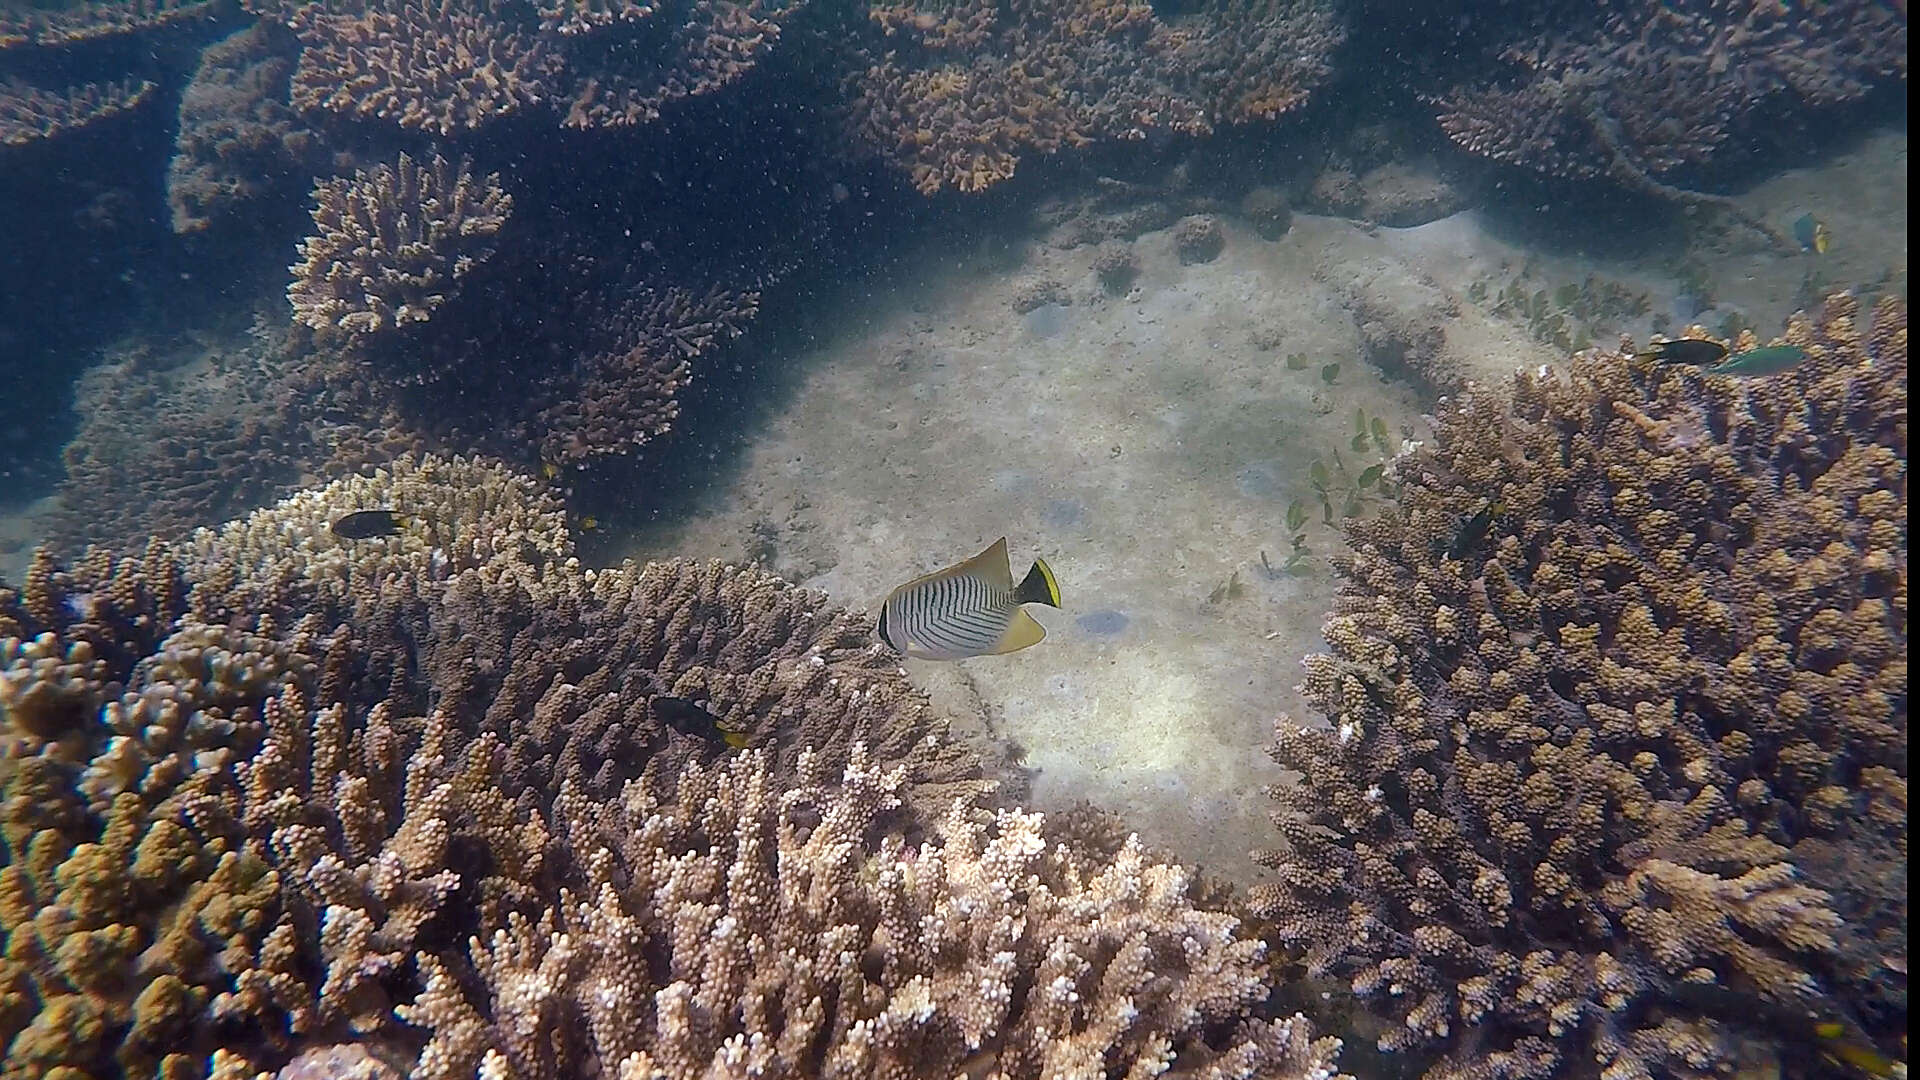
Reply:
x=969, y=609
x=367, y=524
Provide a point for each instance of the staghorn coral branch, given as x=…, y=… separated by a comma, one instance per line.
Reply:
x=439, y=66
x=392, y=243
x=29, y=114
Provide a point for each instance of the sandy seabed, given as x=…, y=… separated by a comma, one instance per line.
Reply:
x=1148, y=446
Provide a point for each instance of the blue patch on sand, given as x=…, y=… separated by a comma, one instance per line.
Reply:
x=1260, y=480
x=1060, y=513
x=1102, y=623
x=1047, y=320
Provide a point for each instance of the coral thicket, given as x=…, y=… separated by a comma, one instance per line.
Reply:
x=96, y=20
x=1661, y=85
x=958, y=93
x=1615, y=768
x=270, y=789
x=48, y=47
x=438, y=66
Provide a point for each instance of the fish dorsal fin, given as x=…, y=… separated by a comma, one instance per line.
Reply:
x=976, y=565
x=990, y=566
x=1023, y=631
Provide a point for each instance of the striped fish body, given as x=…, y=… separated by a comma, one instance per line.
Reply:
x=970, y=609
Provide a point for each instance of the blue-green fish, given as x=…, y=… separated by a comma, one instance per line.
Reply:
x=1811, y=234
x=1771, y=360
x=969, y=609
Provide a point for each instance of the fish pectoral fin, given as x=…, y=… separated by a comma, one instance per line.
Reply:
x=1022, y=632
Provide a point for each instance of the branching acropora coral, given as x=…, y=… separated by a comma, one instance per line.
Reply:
x=273, y=787
x=753, y=928
x=1621, y=775
x=440, y=66
x=29, y=114
x=1662, y=85
x=957, y=94
x=392, y=242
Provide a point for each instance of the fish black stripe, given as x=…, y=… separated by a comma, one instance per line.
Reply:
x=924, y=609
x=963, y=632
x=952, y=639
x=935, y=604
x=913, y=612
x=982, y=621
x=959, y=615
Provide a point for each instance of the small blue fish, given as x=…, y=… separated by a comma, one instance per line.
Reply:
x=1811, y=234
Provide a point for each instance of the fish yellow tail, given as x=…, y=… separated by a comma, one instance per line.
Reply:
x=1039, y=586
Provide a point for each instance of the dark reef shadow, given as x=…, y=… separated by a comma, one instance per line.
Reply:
x=740, y=388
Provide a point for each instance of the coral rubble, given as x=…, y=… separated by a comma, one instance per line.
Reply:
x=1621, y=776
x=392, y=242
x=269, y=789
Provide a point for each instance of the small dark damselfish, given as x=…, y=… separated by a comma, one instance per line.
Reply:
x=367, y=524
